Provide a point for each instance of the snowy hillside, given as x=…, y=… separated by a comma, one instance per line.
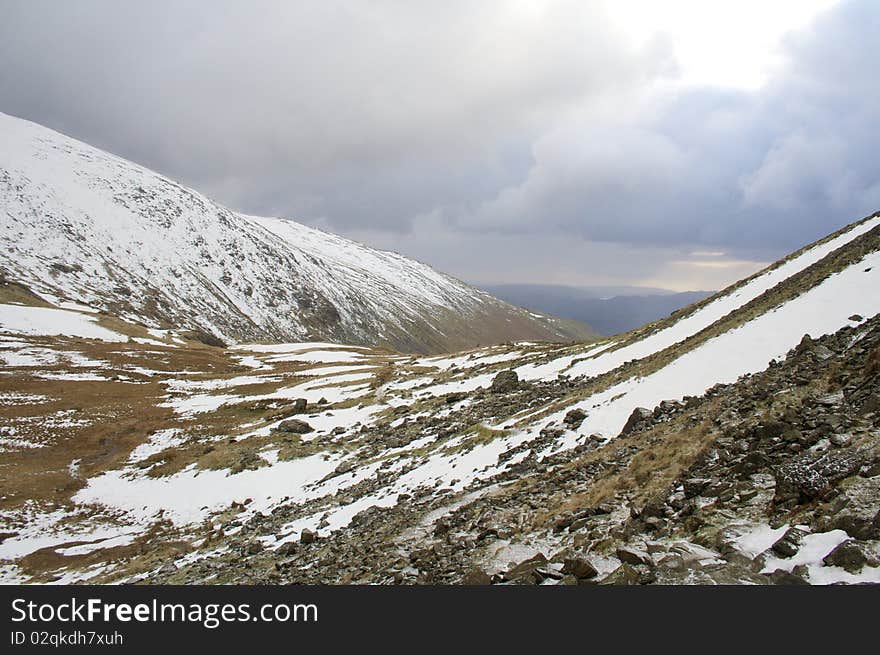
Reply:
x=701, y=448
x=79, y=224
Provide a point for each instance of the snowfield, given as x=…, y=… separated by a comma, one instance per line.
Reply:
x=42, y=321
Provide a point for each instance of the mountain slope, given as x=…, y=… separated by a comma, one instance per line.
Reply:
x=679, y=452
x=85, y=226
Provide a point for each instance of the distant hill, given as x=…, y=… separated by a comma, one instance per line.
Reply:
x=608, y=310
x=79, y=224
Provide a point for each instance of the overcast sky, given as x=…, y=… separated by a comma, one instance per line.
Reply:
x=569, y=142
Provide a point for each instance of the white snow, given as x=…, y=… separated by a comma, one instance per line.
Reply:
x=189, y=496
x=43, y=321
x=319, y=356
x=755, y=539
x=156, y=443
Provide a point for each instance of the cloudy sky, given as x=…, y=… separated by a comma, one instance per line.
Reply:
x=680, y=144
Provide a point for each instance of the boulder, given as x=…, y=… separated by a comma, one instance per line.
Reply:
x=286, y=549
x=525, y=571
x=574, y=417
x=505, y=381
x=293, y=426
x=476, y=577
x=307, y=536
x=639, y=416
x=789, y=543
x=695, y=486
x=579, y=568
x=850, y=555
x=633, y=556
x=622, y=575
x=783, y=577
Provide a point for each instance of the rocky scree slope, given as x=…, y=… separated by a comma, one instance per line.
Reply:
x=774, y=479
x=79, y=224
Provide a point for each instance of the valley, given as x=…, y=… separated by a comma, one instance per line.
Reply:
x=736, y=441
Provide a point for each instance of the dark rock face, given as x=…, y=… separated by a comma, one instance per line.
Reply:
x=476, y=577
x=579, y=568
x=633, y=556
x=639, y=416
x=574, y=417
x=789, y=543
x=293, y=426
x=852, y=555
x=505, y=382
x=810, y=477
x=624, y=574
x=455, y=397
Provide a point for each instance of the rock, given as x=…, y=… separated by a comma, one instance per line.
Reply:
x=840, y=439
x=307, y=536
x=286, y=549
x=856, y=510
x=523, y=571
x=622, y=575
x=789, y=543
x=549, y=574
x=293, y=426
x=694, y=486
x=805, y=344
x=822, y=353
x=858, y=318
x=476, y=577
x=840, y=464
x=639, y=415
x=798, y=481
x=454, y=397
x=851, y=555
x=830, y=400
x=633, y=556
x=253, y=548
x=505, y=381
x=783, y=577
x=299, y=405
x=574, y=417
x=857, y=525
x=579, y=568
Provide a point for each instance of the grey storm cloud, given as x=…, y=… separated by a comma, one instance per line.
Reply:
x=774, y=168
x=361, y=113
x=484, y=120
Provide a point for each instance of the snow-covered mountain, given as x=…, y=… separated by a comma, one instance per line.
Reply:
x=79, y=224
